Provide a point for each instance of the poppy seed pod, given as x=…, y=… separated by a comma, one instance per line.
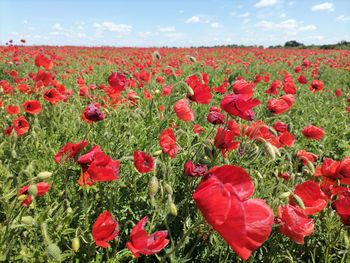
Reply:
x=153, y=186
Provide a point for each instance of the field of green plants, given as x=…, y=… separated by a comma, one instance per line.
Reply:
x=174, y=155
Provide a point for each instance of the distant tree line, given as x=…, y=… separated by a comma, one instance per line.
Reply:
x=292, y=44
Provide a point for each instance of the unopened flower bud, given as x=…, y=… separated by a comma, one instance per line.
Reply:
x=193, y=59
x=157, y=55
x=284, y=195
x=27, y=220
x=54, y=252
x=299, y=201
x=169, y=189
x=153, y=186
x=311, y=167
x=157, y=153
x=75, y=244
x=208, y=152
x=44, y=175
x=270, y=151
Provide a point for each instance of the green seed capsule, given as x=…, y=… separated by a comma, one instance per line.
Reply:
x=75, y=244
x=153, y=186
x=54, y=252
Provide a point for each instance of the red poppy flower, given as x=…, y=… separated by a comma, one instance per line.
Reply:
x=313, y=197
x=41, y=60
x=8, y=131
x=52, y=95
x=194, y=170
x=344, y=171
x=105, y=229
x=222, y=199
x=183, y=110
x=280, y=126
x=215, y=117
x=281, y=105
x=142, y=243
x=143, y=162
x=285, y=176
x=301, y=79
x=197, y=129
x=239, y=105
x=297, y=69
x=13, y=110
x=168, y=143
x=42, y=187
x=316, y=85
x=342, y=206
x=304, y=156
x=201, y=90
x=296, y=225
x=32, y=106
x=93, y=113
x=330, y=168
x=276, y=84
x=338, y=92
x=241, y=86
x=286, y=139
x=144, y=75
x=97, y=166
x=313, y=132
x=71, y=150
x=118, y=81
x=224, y=139
x=289, y=87
x=20, y=125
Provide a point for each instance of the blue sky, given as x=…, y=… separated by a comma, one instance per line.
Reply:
x=174, y=23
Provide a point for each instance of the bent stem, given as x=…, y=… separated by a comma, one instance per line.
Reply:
x=181, y=242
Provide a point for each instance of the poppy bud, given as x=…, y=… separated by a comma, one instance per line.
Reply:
x=14, y=154
x=276, y=150
x=284, y=195
x=193, y=59
x=75, y=244
x=44, y=175
x=270, y=151
x=346, y=238
x=22, y=198
x=157, y=153
x=272, y=130
x=27, y=220
x=153, y=186
x=172, y=206
x=289, y=127
x=311, y=167
x=169, y=189
x=189, y=89
x=32, y=190
x=157, y=55
x=299, y=201
x=54, y=252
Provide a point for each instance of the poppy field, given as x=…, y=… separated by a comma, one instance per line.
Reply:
x=174, y=155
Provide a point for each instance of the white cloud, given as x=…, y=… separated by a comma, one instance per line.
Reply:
x=263, y=3
x=181, y=11
x=145, y=34
x=325, y=6
x=290, y=25
x=193, y=19
x=15, y=33
x=166, y=29
x=57, y=27
x=233, y=13
x=31, y=28
x=80, y=28
x=291, y=3
x=307, y=28
x=174, y=35
x=81, y=35
x=343, y=18
x=25, y=22
x=244, y=15
x=108, y=26
x=245, y=21
x=215, y=25
x=283, y=15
